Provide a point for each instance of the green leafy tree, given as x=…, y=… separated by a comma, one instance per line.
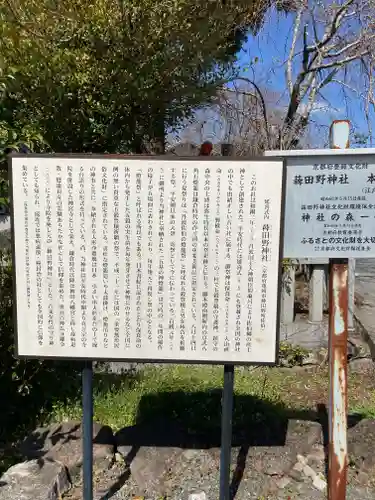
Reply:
x=113, y=75
x=13, y=134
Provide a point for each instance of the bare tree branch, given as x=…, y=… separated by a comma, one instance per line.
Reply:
x=289, y=71
x=331, y=43
x=327, y=42
x=244, y=92
x=342, y=83
x=263, y=103
x=332, y=29
x=350, y=46
x=336, y=64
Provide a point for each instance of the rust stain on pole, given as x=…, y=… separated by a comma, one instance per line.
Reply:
x=338, y=391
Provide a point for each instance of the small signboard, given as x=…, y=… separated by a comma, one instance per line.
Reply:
x=330, y=203
x=147, y=259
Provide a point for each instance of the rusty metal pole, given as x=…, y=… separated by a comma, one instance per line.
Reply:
x=337, y=344
x=338, y=378
x=340, y=139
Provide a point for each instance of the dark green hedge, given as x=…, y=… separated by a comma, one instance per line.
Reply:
x=27, y=388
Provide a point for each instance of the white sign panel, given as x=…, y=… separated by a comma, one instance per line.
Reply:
x=330, y=205
x=147, y=259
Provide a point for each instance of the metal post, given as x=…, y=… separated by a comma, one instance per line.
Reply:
x=338, y=337
x=339, y=139
x=226, y=432
x=87, y=425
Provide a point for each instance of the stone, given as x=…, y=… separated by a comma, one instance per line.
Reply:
x=39, y=479
x=191, y=454
x=125, y=451
x=302, y=435
x=198, y=496
x=274, y=461
x=317, y=454
x=63, y=443
x=362, y=477
x=271, y=486
x=37, y=444
x=361, y=365
x=298, y=467
x=361, y=348
x=160, y=433
x=296, y=472
x=309, y=472
x=279, y=460
x=311, y=359
x=319, y=483
x=274, y=468
x=150, y=465
x=283, y=482
x=150, y=449
x=322, y=355
x=361, y=440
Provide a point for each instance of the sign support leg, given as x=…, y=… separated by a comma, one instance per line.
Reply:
x=338, y=395
x=87, y=426
x=226, y=432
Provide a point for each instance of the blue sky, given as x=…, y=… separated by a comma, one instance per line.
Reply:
x=271, y=48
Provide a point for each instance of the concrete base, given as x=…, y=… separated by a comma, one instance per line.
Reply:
x=305, y=334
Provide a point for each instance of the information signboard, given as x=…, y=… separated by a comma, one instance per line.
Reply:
x=330, y=204
x=147, y=258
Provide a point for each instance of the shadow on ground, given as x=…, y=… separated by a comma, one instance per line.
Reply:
x=193, y=421
x=58, y=383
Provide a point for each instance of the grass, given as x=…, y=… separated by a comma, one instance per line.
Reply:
x=192, y=395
